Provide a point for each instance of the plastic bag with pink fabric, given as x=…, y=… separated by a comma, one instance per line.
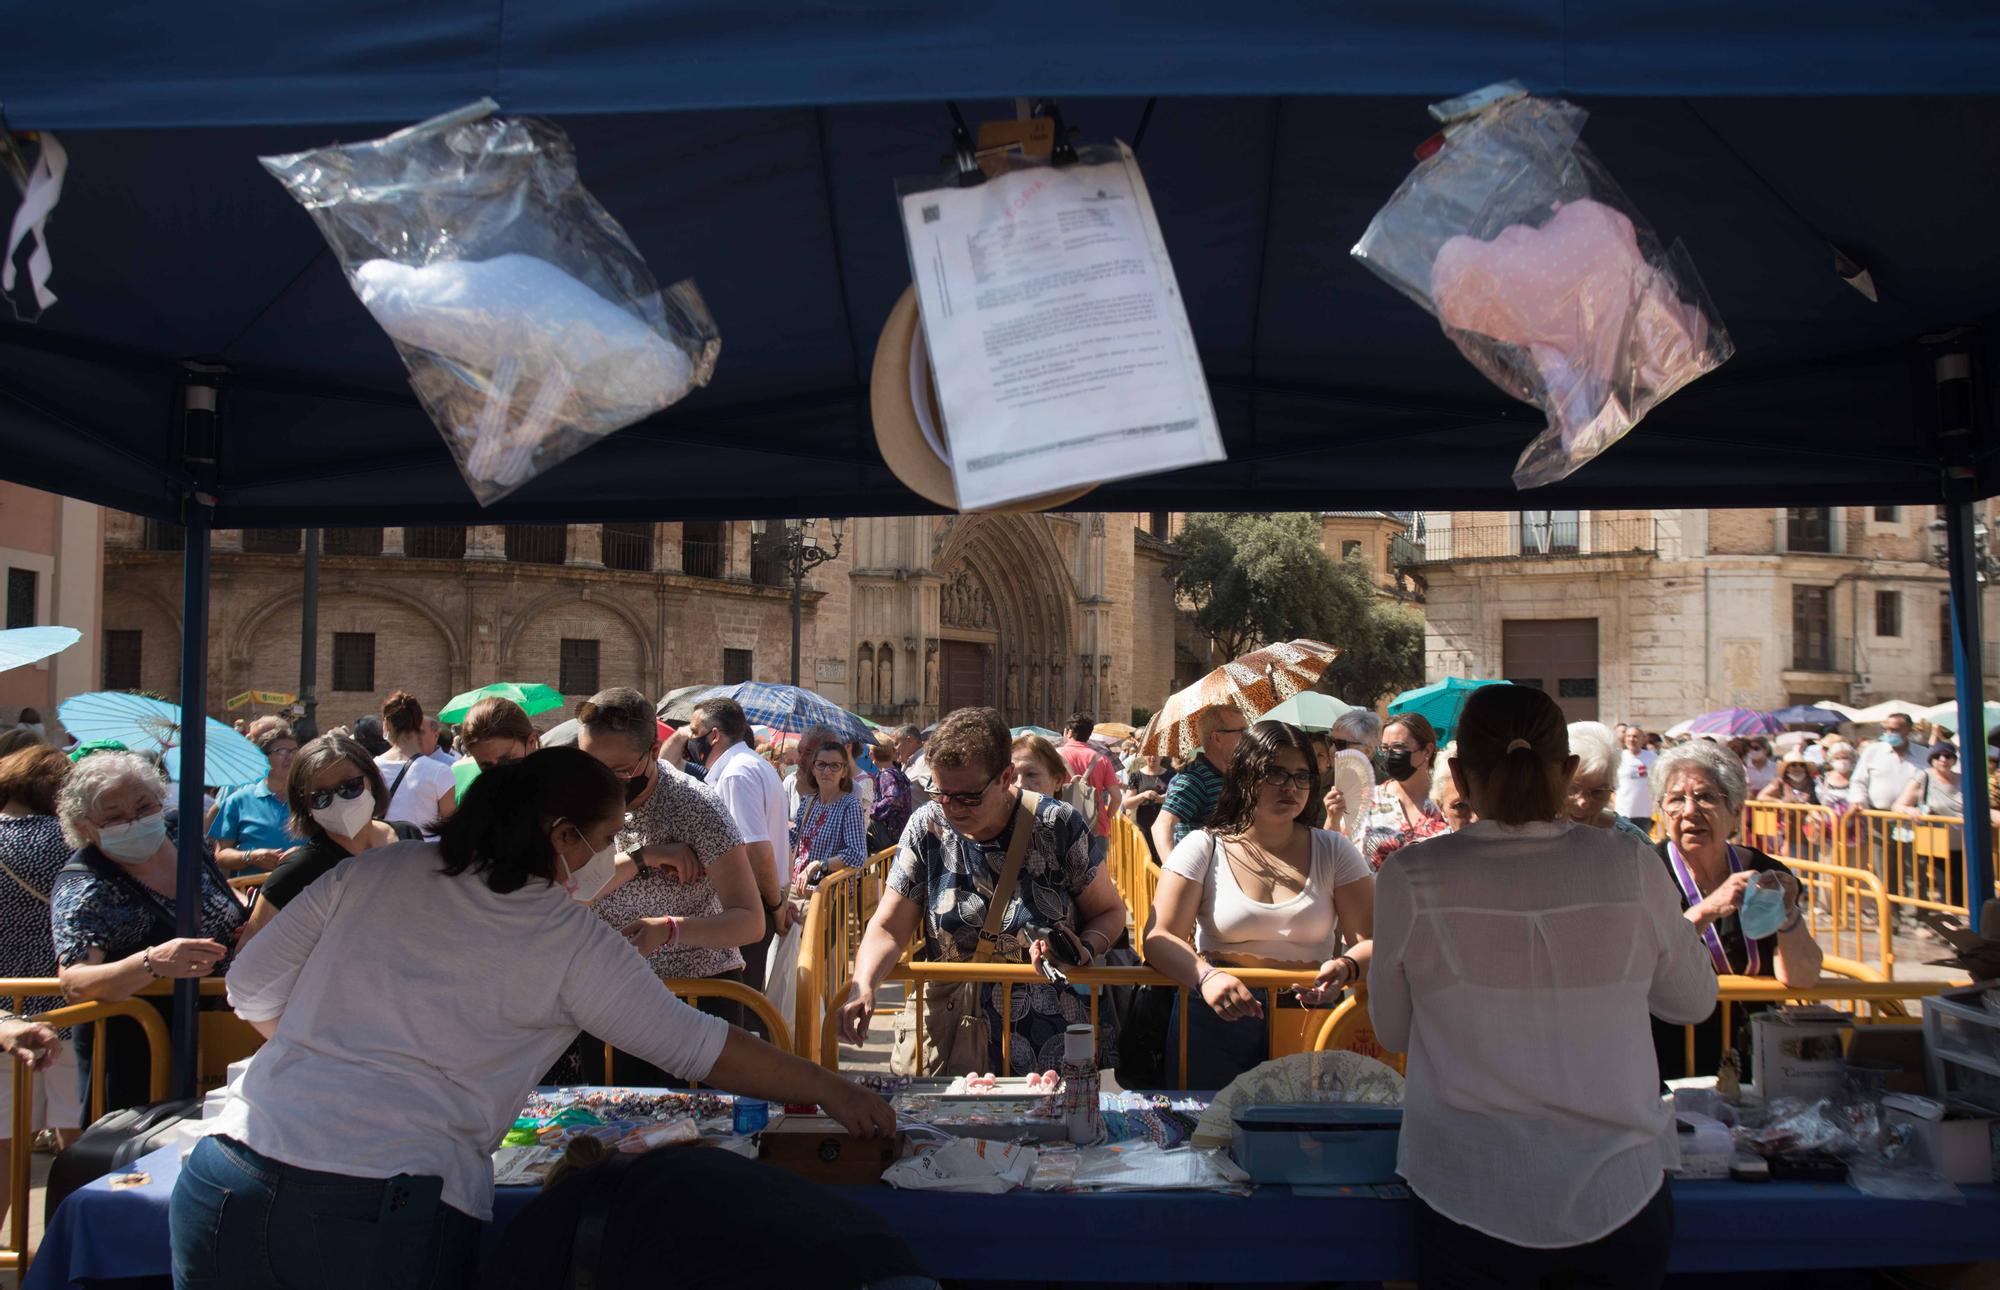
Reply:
x=1544, y=275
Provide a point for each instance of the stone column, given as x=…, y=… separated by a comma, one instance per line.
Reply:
x=486, y=542
x=667, y=548
x=736, y=551
x=392, y=541
x=585, y=546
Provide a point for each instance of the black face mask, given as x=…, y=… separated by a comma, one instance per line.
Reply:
x=1395, y=763
x=635, y=786
x=700, y=746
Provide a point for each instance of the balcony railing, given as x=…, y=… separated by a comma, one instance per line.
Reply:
x=768, y=568
x=1517, y=539
x=537, y=543
x=701, y=559
x=628, y=546
x=1829, y=654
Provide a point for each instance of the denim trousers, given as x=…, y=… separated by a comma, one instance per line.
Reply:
x=240, y=1220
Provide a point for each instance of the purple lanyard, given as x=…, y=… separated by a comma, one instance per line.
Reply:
x=1753, y=961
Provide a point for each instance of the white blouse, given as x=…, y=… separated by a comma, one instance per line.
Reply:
x=1303, y=929
x=1516, y=966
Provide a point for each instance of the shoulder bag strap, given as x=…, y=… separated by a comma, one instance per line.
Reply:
x=21, y=882
x=399, y=778
x=1010, y=877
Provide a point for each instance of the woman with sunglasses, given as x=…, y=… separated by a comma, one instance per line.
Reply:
x=1939, y=791
x=1258, y=887
x=338, y=798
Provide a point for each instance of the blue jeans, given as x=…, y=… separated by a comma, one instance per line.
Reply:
x=240, y=1221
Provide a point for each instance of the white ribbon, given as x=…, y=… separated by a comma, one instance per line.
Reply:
x=45, y=183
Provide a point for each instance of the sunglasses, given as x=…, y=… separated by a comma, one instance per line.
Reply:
x=346, y=790
x=967, y=801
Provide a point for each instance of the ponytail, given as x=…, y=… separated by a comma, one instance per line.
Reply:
x=1512, y=740
x=501, y=827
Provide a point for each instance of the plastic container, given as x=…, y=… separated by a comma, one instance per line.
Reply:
x=1318, y=1142
x=750, y=1116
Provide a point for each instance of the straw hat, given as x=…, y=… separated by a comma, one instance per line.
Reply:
x=901, y=378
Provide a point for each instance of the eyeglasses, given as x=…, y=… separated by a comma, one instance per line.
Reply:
x=830, y=767
x=347, y=790
x=964, y=801
x=1281, y=779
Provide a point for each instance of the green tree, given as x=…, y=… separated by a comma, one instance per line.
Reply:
x=1257, y=579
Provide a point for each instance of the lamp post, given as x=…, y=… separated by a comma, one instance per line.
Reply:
x=795, y=543
x=1959, y=544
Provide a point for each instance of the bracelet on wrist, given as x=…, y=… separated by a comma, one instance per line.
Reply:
x=1792, y=924
x=1353, y=968
x=146, y=961
x=1206, y=973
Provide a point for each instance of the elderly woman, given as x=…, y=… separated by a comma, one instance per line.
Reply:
x=953, y=858
x=686, y=895
x=1257, y=887
x=252, y=826
x=1450, y=798
x=1701, y=788
x=1588, y=798
x=112, y=913
x=1401, y=811
x=338, y=800
x=1939, y=791
x=1515, y=963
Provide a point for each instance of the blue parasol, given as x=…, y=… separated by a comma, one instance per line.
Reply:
x=24, y=645
x=147, y=725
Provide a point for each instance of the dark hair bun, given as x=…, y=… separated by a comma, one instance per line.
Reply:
x=402, y=713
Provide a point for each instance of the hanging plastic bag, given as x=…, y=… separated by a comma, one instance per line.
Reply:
x=529, y=323
x=1544, y=275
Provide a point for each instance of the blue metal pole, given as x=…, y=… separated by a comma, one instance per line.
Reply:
x=1960, y=516
x=198, y=427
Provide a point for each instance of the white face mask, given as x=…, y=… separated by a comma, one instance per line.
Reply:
x=135, y=841
x=587, y=880
x=347, y=816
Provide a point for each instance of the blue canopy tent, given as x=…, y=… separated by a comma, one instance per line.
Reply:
x=206, y=362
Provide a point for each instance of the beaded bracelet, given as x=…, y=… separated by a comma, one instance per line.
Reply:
x=146, y=961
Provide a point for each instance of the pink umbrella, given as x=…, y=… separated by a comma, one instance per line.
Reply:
x=1736, y=723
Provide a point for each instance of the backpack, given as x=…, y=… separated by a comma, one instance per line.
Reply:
x=1080, y=796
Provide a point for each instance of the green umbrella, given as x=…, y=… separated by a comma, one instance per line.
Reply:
x=1309, y=710
x=533, y=697
x=1043, y=731
x=462, y=774
x=1439, y=703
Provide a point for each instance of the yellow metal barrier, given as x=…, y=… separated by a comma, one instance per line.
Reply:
x=245, y=881
x=1846, y=910
x=1920, y=858
x=836, y=917
x=1134, y=872
x=692, y=988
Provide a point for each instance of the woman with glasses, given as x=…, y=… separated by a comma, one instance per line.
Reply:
x=1258, y=887
x=684, y=893
x=951, y=860
x=1746, y=905
x=252, y=828
x=337, y=798
x=830, y=828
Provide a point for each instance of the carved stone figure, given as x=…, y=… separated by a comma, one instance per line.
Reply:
x=1013, y=689
x=885, y=675
x=1056, y=691
x=864, y=675
x=1034, y=714
x=931, y=673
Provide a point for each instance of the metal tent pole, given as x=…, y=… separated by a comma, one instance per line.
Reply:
x=198, y=441
x=308, y=723
x=1963, y=559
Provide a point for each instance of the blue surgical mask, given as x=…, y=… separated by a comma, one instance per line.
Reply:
x=133, y=842
x=1892, y=741
x=1762, y=913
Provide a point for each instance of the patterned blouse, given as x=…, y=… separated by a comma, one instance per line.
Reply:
x=951, y=878
x=90, y=912
x=32, y=851
x=1386, y=831
x=836, y=835
x=679, y=810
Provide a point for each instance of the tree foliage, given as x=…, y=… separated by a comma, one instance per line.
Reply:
x=1257, y=579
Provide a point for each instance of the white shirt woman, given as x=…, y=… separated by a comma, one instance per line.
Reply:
x=1515, y=963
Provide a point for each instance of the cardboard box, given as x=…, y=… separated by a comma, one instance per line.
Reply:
x=1799, y=1052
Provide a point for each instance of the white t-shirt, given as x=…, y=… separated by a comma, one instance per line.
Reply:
x=1304, y=929
x=1516, y=966
x=416, y=1011
x=1633, y=797
x=755, y=798
x=416, y=798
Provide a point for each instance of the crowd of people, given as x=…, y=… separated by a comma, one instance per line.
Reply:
x=448, y=917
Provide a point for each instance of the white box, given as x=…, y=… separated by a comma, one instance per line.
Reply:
x=1961, y=1147
x=1799, y=1052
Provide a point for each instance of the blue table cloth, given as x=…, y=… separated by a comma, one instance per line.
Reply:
x=99, y=1233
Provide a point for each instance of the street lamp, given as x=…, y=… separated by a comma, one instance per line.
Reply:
x=1985, y=564
x=798, y=547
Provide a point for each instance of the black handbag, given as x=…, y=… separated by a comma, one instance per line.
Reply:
x=113, y=1143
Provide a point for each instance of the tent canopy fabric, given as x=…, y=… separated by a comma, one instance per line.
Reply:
x=755, y=147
